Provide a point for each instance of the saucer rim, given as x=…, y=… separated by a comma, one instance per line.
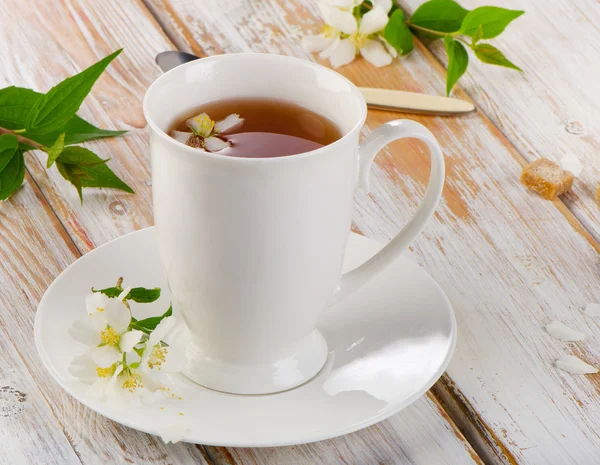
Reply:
x=250, y=443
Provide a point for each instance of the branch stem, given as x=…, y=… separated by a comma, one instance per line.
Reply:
x=22, y=139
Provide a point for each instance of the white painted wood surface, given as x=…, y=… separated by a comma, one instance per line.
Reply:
x=553, y=107
x=43, y=228
x=509, y=261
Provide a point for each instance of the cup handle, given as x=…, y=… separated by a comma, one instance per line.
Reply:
x=368, y=149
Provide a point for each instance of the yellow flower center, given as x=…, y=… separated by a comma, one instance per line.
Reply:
x=205, y=125
x=157, y=356
x=109, y=336
x=330, y=31
x=132, y=381
x=106, y=372
x=359, y=40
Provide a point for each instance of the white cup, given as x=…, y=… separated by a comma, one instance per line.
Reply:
x=253, y=248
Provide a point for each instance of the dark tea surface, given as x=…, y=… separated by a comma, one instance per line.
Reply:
x=270, y=128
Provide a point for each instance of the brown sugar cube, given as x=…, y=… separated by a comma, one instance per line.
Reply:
x=547, y=178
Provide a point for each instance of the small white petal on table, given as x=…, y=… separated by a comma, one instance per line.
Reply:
x=373, y=21
x=574, y=365
x=173, y=432
x=592, y=310
x=561, y=331
x=375, y=53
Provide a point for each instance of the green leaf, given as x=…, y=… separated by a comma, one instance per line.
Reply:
x=54, y=110
x=152, y=322
x=12, y=175
x=477, y=36
x=398, y=34
x=458, y=59
x=76, y=155
x=15, y=104
x=491, y=55
x=74, y=175
x=83, y=168
x=492, y=19
x=137, y=294
x=439, y=15
x=55, y=150
x=8, y=147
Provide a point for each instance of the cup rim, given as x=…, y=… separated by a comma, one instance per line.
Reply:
x=196, y=153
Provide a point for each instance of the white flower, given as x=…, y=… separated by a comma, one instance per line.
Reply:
x=205, y=132
x=159, y=356
x=344, y=35
x=87, y=371
x=105, y=329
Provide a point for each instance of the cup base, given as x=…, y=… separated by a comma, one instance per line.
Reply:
x=302, y=362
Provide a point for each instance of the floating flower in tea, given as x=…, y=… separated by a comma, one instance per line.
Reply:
x=206, y=133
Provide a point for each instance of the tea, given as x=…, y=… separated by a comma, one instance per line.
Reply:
x=254, y=128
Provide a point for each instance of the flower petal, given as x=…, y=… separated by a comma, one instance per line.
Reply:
x=574, y=365
x=105, y=356
x=87, y=331
x=83, y=368
x=343, y=54
x=201, y=124
x=130, y=339
x=124, y=293
x=316, y=43
x=214, y=144
x=181, y=136
x=344, y=4
x=161, y=330
x=329, y=50
x=118, y=316
x=391, y=50
x=95, y=302
x=172, y=432
x=373, y=21
x=375, y=53
x=233, y=121
x=340, y=19
x=385, y=5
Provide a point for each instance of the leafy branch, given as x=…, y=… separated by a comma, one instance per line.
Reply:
x=30, y=120
x=459, y=28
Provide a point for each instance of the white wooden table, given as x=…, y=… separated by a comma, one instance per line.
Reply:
x=509, y=261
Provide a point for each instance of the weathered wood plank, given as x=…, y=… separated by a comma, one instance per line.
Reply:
x=550, y=109
x=116, y=102
x=416, y=435
x=507, y=259
x=33, y=250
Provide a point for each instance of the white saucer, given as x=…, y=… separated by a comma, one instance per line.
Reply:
x=388, y=345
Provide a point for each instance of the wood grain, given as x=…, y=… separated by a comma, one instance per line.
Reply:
x=75, y=35
x=509, y=261
x=50, y=427
x=551, y=108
